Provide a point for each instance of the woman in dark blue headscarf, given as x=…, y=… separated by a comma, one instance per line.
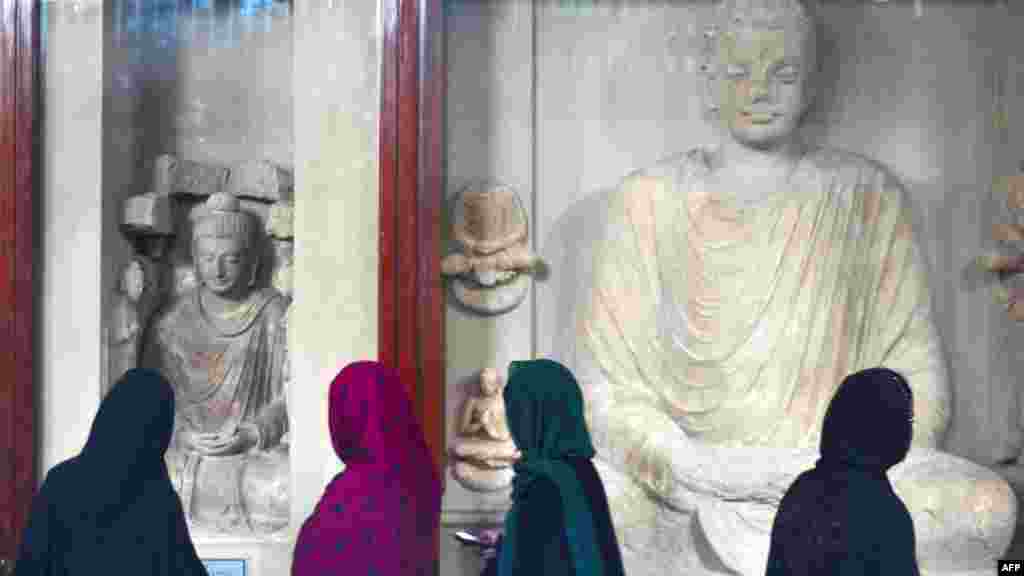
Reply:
x=112, y=509
x=559, y=522
x=842, y=517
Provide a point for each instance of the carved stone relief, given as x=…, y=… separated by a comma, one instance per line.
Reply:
x=490, y=271
x=1004, y=266
x=204, y=301
x=483, y=451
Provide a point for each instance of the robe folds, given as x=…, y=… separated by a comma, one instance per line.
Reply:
x=739, y=322
x=224, y=376
x=716, y=330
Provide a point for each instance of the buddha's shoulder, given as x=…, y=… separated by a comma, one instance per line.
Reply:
x=850, y=168
x=643, y=184
x=276, y=305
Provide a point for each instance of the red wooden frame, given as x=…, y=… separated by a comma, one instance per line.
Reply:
x=411, y=297
x=19, y=104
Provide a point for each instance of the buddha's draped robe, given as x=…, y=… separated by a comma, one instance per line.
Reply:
x=721, y=331
x=227, y=375
x=740, y=323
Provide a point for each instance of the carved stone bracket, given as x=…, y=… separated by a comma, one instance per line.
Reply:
x=490, y=271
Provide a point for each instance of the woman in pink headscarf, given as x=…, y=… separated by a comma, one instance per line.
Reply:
x=380, y=515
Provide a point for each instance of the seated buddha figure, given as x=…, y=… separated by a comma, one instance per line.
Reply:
x=222, y=345
x=483, y=451
x=734, y=289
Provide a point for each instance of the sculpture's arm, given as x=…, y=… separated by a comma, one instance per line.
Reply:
x=899, y=310
x=466, y=424
x=272, y=419
x=272, y=423
x=638, y=438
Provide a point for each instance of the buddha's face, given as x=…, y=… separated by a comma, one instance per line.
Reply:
x=763, y=82
x=489, y=383
x=223, y=265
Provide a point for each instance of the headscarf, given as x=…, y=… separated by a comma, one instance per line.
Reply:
x=381, y=514
x=113, y=507
x=843, y=517
x=878, y=396
x=544, y=408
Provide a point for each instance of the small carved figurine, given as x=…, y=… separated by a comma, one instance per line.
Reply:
x=126, y=325
x=484, y=450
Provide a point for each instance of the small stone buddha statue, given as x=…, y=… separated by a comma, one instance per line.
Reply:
x=484, y=450
x=222, y=345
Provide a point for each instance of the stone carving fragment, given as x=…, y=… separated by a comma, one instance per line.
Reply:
x=490, y=272
x=259, y=180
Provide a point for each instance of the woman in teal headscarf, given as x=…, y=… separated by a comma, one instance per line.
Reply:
x=559, y=521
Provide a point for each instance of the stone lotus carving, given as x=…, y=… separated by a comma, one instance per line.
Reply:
x=214, y=245
x=483, y=451
x=490, y=272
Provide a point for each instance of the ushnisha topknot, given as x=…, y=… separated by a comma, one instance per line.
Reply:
x=222, y=216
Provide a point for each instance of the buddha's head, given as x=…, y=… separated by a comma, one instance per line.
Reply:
x=764, y=63
x=222, y=247
x=489, y=382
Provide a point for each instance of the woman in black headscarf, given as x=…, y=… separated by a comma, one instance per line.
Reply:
x=112, y=509
x=842, y=517
x=559, y=524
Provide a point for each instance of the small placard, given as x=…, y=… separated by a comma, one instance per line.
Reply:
x=1011, y=567
x=226, y=567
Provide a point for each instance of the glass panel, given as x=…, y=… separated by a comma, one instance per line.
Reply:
x=712, y=213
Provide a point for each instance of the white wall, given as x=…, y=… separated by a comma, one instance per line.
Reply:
x=72, y=221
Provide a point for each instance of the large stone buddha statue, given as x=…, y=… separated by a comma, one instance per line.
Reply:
x=733, y=291
x=222, y=345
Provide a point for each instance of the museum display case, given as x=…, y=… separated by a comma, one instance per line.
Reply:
x=157, y=152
